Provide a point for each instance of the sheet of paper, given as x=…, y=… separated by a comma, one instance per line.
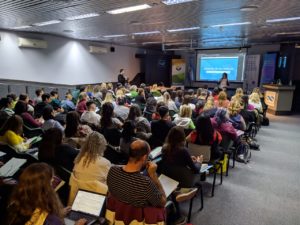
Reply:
x=168, y=184
x=88, y=202
x=205, y=167
x=2, y=153
x=11, y=167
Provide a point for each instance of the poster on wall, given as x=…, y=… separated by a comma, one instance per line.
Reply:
x=178, y=71
x=268, y=69
x=251, y=72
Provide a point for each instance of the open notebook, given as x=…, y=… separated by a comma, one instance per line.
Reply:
x=168, y=184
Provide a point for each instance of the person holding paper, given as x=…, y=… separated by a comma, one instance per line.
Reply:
x=129, y=190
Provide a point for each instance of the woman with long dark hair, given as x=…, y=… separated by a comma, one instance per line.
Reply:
x=128, y=136
x=21, y=109
x=75, y=133
x=205, y=134
x=54, y=152
x=175, y=152
x=108, y=120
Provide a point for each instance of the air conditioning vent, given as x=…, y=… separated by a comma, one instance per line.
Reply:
x=98, y=49
x=32, y=43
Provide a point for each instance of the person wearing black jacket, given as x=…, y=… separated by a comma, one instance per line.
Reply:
x=121, y=77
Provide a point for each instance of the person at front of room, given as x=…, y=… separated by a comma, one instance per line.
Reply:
x=223, y=82
x=131, y=191
x=121, y=77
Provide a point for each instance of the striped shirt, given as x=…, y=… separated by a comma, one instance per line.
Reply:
x=133, y=188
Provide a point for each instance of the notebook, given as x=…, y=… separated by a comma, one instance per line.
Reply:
x=168, y=184
x=87, y=205
x=11, y=167
x=155, y=153
x=205, y=167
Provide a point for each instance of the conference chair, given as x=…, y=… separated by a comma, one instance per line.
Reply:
x=64, y=190
x=227, y=146
x=30, y=132
x=188, y=181
x=205, y=150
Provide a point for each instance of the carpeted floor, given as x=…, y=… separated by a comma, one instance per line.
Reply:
x=264, y=192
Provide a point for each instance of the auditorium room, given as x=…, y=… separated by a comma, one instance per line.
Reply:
x=143, y=112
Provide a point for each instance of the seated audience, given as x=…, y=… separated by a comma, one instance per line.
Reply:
x=56, y=104
x=68, y=104
x=7, y=106
x=109, y=98
x=183, y=119
x=205, y=134
x=238, y=95
x=179, y=98
x=187, y=101
x=235, y=118
x=254, y=100
x=48, y=116
x=97, y=93
x=75, y=133
x=21, y=109
x=108, y=121
x=38, y=98
x=222, y=101
x=54, y=152
x=143, y=128
x=175, y=153
x=128, y=136
x=82, y=99
x=11, y=133
x=133, y=91
x=155, y=115
x=160, y=128
x=14, y=98
x=169, y=102
x=262, y=99
x=209, y=107
x=39, y=107
x=34, y=201
x=130, y=190
x=120, y=110
x=221, y=123
x=90, y=116
x=215, y=93
x=155, y=91
x=140, y=99
x=90, y=164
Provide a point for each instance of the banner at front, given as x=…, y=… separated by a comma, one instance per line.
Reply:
x=178, y=71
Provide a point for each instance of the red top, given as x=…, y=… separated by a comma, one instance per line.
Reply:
x=217, y=137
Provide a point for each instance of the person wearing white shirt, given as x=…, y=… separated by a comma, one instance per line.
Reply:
x=90, y=116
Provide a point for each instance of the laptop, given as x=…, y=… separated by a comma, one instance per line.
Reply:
x=87, y=205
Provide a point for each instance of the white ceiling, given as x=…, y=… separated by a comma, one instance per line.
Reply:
x=160, y=17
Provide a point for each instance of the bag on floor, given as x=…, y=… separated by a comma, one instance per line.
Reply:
x=265, y=121
x=224, y=164
x=253, y=144
x=243, y=153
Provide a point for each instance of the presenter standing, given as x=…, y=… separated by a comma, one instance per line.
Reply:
x=122, y=78
x=223, y=82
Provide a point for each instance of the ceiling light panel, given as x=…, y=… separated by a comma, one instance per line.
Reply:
x=183, y=29
x=231, y=24
x=83, y=16
x=282, y=20
x=146, y=33
x=129, y=9
x=114, y=35
x=174, y=2
x=46, y=23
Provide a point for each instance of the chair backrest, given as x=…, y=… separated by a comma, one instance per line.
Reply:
x=226, y=142
x=197, y=150
x=75, y=184
x=32, y=132
x=112, y=135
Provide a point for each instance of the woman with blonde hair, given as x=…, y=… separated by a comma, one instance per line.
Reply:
x=90, y=164
x=109, y=98
x=169, y=102
x=209, y=108
x=235, y=118
x=255, y=101
x=238, y=95
x=222, y=101
x=183, y=119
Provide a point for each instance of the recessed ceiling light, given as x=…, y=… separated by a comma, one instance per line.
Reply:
x=249, y=8
x=147, y=32
x=129, y=9
x=114, y=35
x=83, y=16
x=174, y=2
x=282, y=19
x=231, y=24
x=46, y=23
x=183, y=29
x=22, y=27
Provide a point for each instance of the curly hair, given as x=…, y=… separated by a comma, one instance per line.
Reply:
x=34, y=191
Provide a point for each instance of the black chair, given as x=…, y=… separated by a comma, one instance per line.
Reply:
x=63, y=192
x=228, y=149
x=205, y=150
x=186, y=179
x=148, y=115
x=30, y=132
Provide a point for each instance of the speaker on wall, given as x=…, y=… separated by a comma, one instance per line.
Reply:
x=112, y=49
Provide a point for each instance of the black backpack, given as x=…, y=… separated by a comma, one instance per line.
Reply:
x=265, y=121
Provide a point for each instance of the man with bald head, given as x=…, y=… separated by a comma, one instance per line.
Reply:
x=129, y=186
